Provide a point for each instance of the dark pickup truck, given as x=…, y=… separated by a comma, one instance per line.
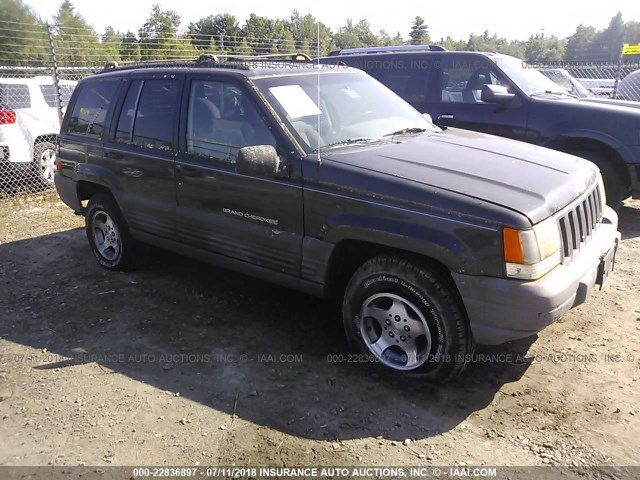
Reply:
x=502, y=95
x=323, y=180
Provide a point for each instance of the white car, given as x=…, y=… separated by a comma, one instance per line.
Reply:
x=28, y=127
x=629, y=87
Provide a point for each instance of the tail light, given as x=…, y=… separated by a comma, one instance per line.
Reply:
x=57, y=160
x=7, y=117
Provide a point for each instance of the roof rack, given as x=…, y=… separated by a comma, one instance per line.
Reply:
x=240, y=62
x=389, y=49
x=289, y=57
x=206, y=60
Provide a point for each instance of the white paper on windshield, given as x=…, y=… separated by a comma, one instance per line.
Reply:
x=295, y=101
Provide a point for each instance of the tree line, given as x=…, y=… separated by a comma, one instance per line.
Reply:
x=24, y=38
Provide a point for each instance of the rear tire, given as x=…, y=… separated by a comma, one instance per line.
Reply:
x=108, y=234
x=408, y=318
x=613, y=183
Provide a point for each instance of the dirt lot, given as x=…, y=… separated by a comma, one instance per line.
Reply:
x=149, y=367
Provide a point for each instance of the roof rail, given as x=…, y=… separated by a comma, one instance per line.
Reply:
x=206, y=60
x=290, y=57
x=389, y=49
x=213, y=61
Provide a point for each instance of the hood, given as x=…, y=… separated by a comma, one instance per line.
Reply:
x=611, y=101
x=531, y=180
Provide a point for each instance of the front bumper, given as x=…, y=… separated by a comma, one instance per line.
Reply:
x=634, y=175
x=503, y=309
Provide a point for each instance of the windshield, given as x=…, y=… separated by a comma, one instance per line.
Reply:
x=567, y=81
x=339, y=108
x=527, y=78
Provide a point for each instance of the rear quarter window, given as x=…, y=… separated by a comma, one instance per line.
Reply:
x=91, y=106
x=14, y=96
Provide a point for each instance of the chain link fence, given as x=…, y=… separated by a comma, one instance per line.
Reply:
x=36, y=84
x=32, y=100
x=619, y=81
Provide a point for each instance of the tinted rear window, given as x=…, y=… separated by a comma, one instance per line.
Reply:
x=48, y=91
x=91, y=107
x=14, y=96
x=153, y=123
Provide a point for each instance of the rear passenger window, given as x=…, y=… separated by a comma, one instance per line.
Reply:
x=14, y=96
x=147, y=118
x=221, y=120
x=128, y=112
x=409, y=80
x=154, y=123
x=91, y=107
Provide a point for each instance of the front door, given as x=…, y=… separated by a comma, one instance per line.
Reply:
x=456, y=98
x=253, y=219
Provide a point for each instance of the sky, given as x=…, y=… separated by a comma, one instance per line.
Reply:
x=455, y=18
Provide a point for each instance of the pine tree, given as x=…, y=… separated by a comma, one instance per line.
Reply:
x=419, y=32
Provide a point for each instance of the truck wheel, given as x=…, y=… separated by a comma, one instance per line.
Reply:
x=613, y=182
x=407, y=318
x=44, y=157
x=108, y=233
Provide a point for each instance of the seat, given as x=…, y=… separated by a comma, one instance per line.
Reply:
x=473, y=89
x=202, y=117
x=415, y=88
x=446, y=94
x=308, y=134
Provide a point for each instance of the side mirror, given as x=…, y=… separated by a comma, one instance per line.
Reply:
x=258, y=161
x=427, y=117
x=496, y=94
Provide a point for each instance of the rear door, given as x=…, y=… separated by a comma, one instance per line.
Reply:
x=140, y=154
x=253, y=219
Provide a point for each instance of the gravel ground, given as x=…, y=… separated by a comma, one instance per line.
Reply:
x=180, y=363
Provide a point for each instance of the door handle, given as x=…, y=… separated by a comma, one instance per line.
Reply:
x=114, y=155
x=187, y=171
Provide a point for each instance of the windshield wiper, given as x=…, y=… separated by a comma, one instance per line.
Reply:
x=406, y=131
x=549, y=92
x=353, y=140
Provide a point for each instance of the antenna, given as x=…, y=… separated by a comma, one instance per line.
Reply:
x=319, y=159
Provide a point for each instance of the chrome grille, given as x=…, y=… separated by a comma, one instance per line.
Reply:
x=579, y=221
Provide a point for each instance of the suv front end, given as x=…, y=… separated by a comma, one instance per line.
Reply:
x=549, y=269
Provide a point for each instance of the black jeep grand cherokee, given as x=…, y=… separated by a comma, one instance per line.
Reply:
x=323, y=180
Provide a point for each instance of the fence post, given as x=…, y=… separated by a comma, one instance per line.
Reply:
x=618, y=73
x=54, y=66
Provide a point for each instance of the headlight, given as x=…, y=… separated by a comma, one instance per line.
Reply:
x=530, y=254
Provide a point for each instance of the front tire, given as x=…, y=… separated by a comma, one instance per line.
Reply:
x=409, y=317
x=108, y=234
x=614, y=186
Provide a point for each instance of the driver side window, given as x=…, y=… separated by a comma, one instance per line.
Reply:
x=462, y=81
x=221, y=120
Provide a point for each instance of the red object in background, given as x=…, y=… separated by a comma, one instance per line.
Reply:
x=7, y=117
